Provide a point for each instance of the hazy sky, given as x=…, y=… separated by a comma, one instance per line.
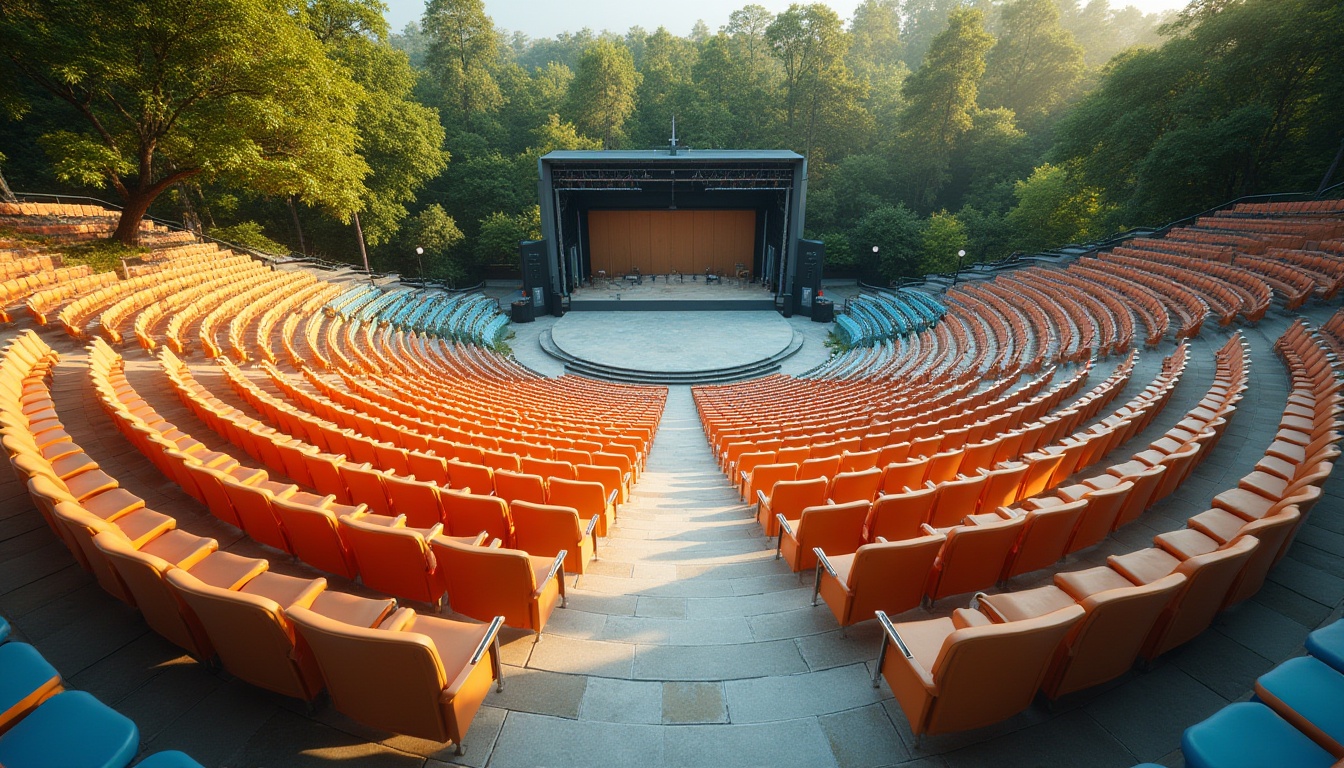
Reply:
x=546, y=18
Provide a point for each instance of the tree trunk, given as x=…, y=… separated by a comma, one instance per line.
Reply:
x=298, y=228
x=5, y=193
x=128, y=227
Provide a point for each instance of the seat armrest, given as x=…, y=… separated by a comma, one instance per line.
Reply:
x=784, y=524
x=557, y=565
x=928, y=529
x=761, y=500
x=400, y=621
x=491, y=633
x=611, y=498
x=881, y=540
x=823, y=562
x=592, y=525
x=495, y=544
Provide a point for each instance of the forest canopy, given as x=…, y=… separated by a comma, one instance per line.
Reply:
x=929, y=125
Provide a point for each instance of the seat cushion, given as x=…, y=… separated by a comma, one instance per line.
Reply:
x=25, y=680
x=71, y=728
x=1307, y=693
x=1083, y=584
x=169, y=759
x=1327, y=644
x=1249, y=734
x=1185, y=543
x=1144, y=566
x=1028, y=604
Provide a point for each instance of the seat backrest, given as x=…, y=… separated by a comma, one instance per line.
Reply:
x=826, y=466
x=471, y=513
x=1098, y=519
x=252, y=636
x=366, y=487
x=891, y=576
x=517, y=486
x=899, y=476
x=1045, y=534
x=1040, y=468
x=955, y=500
x=973, y=557
x=749, y=461
x=1002, y=486
x=545, y=529
x=587, y=497
x=211, y=485
x=1141, y=496
x=384, y=679
x=943, y=466
x=855, y=461
x=428, y=467
x=856, y=485
x=898, y=516
x=547, y=468
x=326, y=473
x=833, y=527
x=479, y=478
x=314, y=534
x=253, y=506
x=483, y=582
x=1272, y=531
x=501, y=460
x=608, y=477
x=417, y=500
x=790, y=497
x=1104, y=645
x=1211, y=577
x=391, y=559
x=764, y=476
x=161, y=608
x=975, y=687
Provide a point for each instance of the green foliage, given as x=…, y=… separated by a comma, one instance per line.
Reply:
x=500, y=234
x=462, y=47
x=100, y=255
x=1055, y=207
x=898, y=235
x=940, y=98
x=236, y=90
x=1035, y=66
x=840, y=254
x=602, y=93
x=821, y=97
x=249, y=235
x=944, y=235
x=436, y=232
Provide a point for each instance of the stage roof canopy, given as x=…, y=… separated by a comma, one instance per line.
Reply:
x=663, y=156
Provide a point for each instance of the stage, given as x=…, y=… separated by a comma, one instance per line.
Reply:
x=672, y=347
x=657, y=293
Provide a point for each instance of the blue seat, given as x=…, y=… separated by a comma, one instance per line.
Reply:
x=1249, y=735
x=26, y=680
x=1309, y=694
x=4, y=629
x=169, y=759
x=72, y=729
x=1327, y=644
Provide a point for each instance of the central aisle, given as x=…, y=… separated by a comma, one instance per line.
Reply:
x=687, y=620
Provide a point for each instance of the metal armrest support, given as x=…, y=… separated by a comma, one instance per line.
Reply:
x=779, y=537
x=889, y=635
x=591, y=532
x=558, y=566
x=822, y=562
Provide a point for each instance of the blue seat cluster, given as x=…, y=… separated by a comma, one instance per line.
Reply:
x=871, y=318
x=472, y=317
x=49, y=726
x=1296, y=716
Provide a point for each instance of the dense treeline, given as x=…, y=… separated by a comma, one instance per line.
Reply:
x=929, y=125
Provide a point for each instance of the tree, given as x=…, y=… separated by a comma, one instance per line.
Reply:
x=462, y=47
x=1054, y=208
x=602, y=94
x=944, y=235
x=500, y=234
x=435, y=231
x=898, y=235
x=1035, y=66
x=940, y=97
x=160, y=93
x=821, y=96
x=665, y=87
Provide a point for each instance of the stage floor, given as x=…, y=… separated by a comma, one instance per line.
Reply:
x=672, y=342
x=621, y=295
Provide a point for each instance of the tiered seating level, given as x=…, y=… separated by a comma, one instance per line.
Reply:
x=399, y=457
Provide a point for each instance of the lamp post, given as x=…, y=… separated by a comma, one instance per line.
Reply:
x=419, y=258
x=961, y=254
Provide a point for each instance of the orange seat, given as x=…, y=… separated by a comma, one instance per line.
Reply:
x=956, y=500
x=788, y=498
x=1215, y=528
x=417, y=675
x=823, y=466
x=589, y=498
x=1098, y=519
x=764, y=476
x=609, y=478
x=834, y=528
x=516, y=486
x=904, y=475
x=1104, y=645
x=428, y=467
x=250, y=632
x=498, y=460
x=1002, y=485
x=419, y=501
x=366, y=487
x=482, y=582
x=315, y=536
x=253, y=505
x=548, y=468
x=856, y=485
x=468, y=512
x=477, y=477
x=883, y=576
x=391, y=557
x=973, y=557
x=1045, y=536
x=143, y=573
x=899, y=516
x=949, y=674
x=544, y=530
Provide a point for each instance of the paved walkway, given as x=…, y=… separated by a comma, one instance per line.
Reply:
x=687, y=644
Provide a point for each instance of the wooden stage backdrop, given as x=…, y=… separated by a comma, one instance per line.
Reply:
x=661, y=241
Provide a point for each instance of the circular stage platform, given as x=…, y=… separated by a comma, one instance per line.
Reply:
x=672, y=347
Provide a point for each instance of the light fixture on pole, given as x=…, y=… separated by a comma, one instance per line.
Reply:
x=961, y=254
x=419, y=254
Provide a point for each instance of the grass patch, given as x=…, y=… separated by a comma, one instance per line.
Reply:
x=836, y=346
x=100, y=255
